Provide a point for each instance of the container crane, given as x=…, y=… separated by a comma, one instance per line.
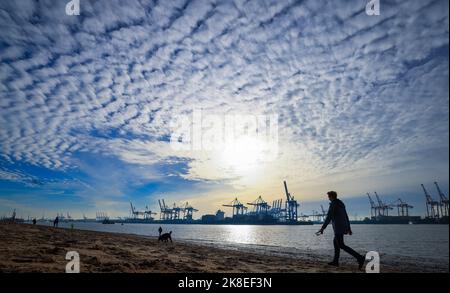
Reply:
x=148, y=213
x=402, y=208
x=374, y=209
x=444, y=201
x=276, y=209
x=176, y=212
x=432, y=205
x=188, y=212
x=166, y=212
x=135, y=213
x=384, y=208
x=260, y=206
x=291, y=206
x=238, y=208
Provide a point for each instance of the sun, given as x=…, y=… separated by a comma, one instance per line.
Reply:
x=243, y=155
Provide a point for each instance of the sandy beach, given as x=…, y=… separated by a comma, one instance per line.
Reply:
x=28, y=248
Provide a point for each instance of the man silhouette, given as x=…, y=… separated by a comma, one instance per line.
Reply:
x=341, y=226
x=160, y=231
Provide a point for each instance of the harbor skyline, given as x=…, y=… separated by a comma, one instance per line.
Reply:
x=307, y=211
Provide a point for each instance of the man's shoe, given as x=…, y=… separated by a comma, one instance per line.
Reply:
x=333, y=263
x=361, y=262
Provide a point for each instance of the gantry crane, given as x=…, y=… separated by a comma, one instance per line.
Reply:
x=384, y=208
x=260, y=206
x=432, y=205
x=238, y=208
x=402, y=207
x=374, y=209
x=135, y=213
x=303, y=217
x=444, y=201
x=276, y=211
x=176, y=211
x=317, y=216
x=188, y=212
x=324, y=213
x=291, y=206
x=166, y=212
x=148, y=213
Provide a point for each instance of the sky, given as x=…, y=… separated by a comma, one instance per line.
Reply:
x=89, y=103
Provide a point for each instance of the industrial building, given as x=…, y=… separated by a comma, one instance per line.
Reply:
x=213, y=219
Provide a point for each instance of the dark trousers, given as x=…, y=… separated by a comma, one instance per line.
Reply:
x=338, y=243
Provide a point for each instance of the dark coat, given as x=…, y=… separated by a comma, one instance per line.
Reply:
x=338, y=216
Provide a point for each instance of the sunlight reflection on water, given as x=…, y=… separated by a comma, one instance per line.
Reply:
x=428, y=241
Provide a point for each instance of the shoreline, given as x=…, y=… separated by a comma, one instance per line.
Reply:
x=29, y=248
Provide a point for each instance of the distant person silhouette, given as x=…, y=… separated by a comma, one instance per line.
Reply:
x=34, y=221
x=341, y=225
x=160, y=231
x=55, y=222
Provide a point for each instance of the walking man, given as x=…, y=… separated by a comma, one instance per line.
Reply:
x=160, y=231
x=341, y=226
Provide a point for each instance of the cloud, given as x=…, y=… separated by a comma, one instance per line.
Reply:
x=351, y=91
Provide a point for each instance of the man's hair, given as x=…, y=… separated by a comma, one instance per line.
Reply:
x=332, y=194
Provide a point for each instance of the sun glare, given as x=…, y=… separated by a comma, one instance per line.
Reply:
x=244, y=155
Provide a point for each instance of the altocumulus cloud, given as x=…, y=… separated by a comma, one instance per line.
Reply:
x=353, y=93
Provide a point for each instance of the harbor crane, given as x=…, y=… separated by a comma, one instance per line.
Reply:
x=260, y=206
x=277, y=209
x=291, y=206
x=176, y=211
x=166, y=212
x=188, y=212
x=238, y=208
x=444, y=201
x=303, y=217
x=432, y=205
x=135, y=213
x=101, y=216
x=324, y=213
x=317, y=216
x=61, y=217
x=374, y=209
x=384, y=208
x=148, y=213
x=402, y=208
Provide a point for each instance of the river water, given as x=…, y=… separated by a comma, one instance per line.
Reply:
x=427, y=242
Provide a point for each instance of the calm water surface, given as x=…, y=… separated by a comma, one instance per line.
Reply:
x=416, y=241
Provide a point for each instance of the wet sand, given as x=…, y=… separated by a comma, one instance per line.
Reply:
x=28, y=248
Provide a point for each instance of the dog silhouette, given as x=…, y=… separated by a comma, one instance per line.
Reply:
x=165, y=237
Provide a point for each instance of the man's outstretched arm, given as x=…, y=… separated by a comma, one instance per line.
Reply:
x=328, y=218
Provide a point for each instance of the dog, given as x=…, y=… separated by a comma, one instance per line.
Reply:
x=166, y=237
